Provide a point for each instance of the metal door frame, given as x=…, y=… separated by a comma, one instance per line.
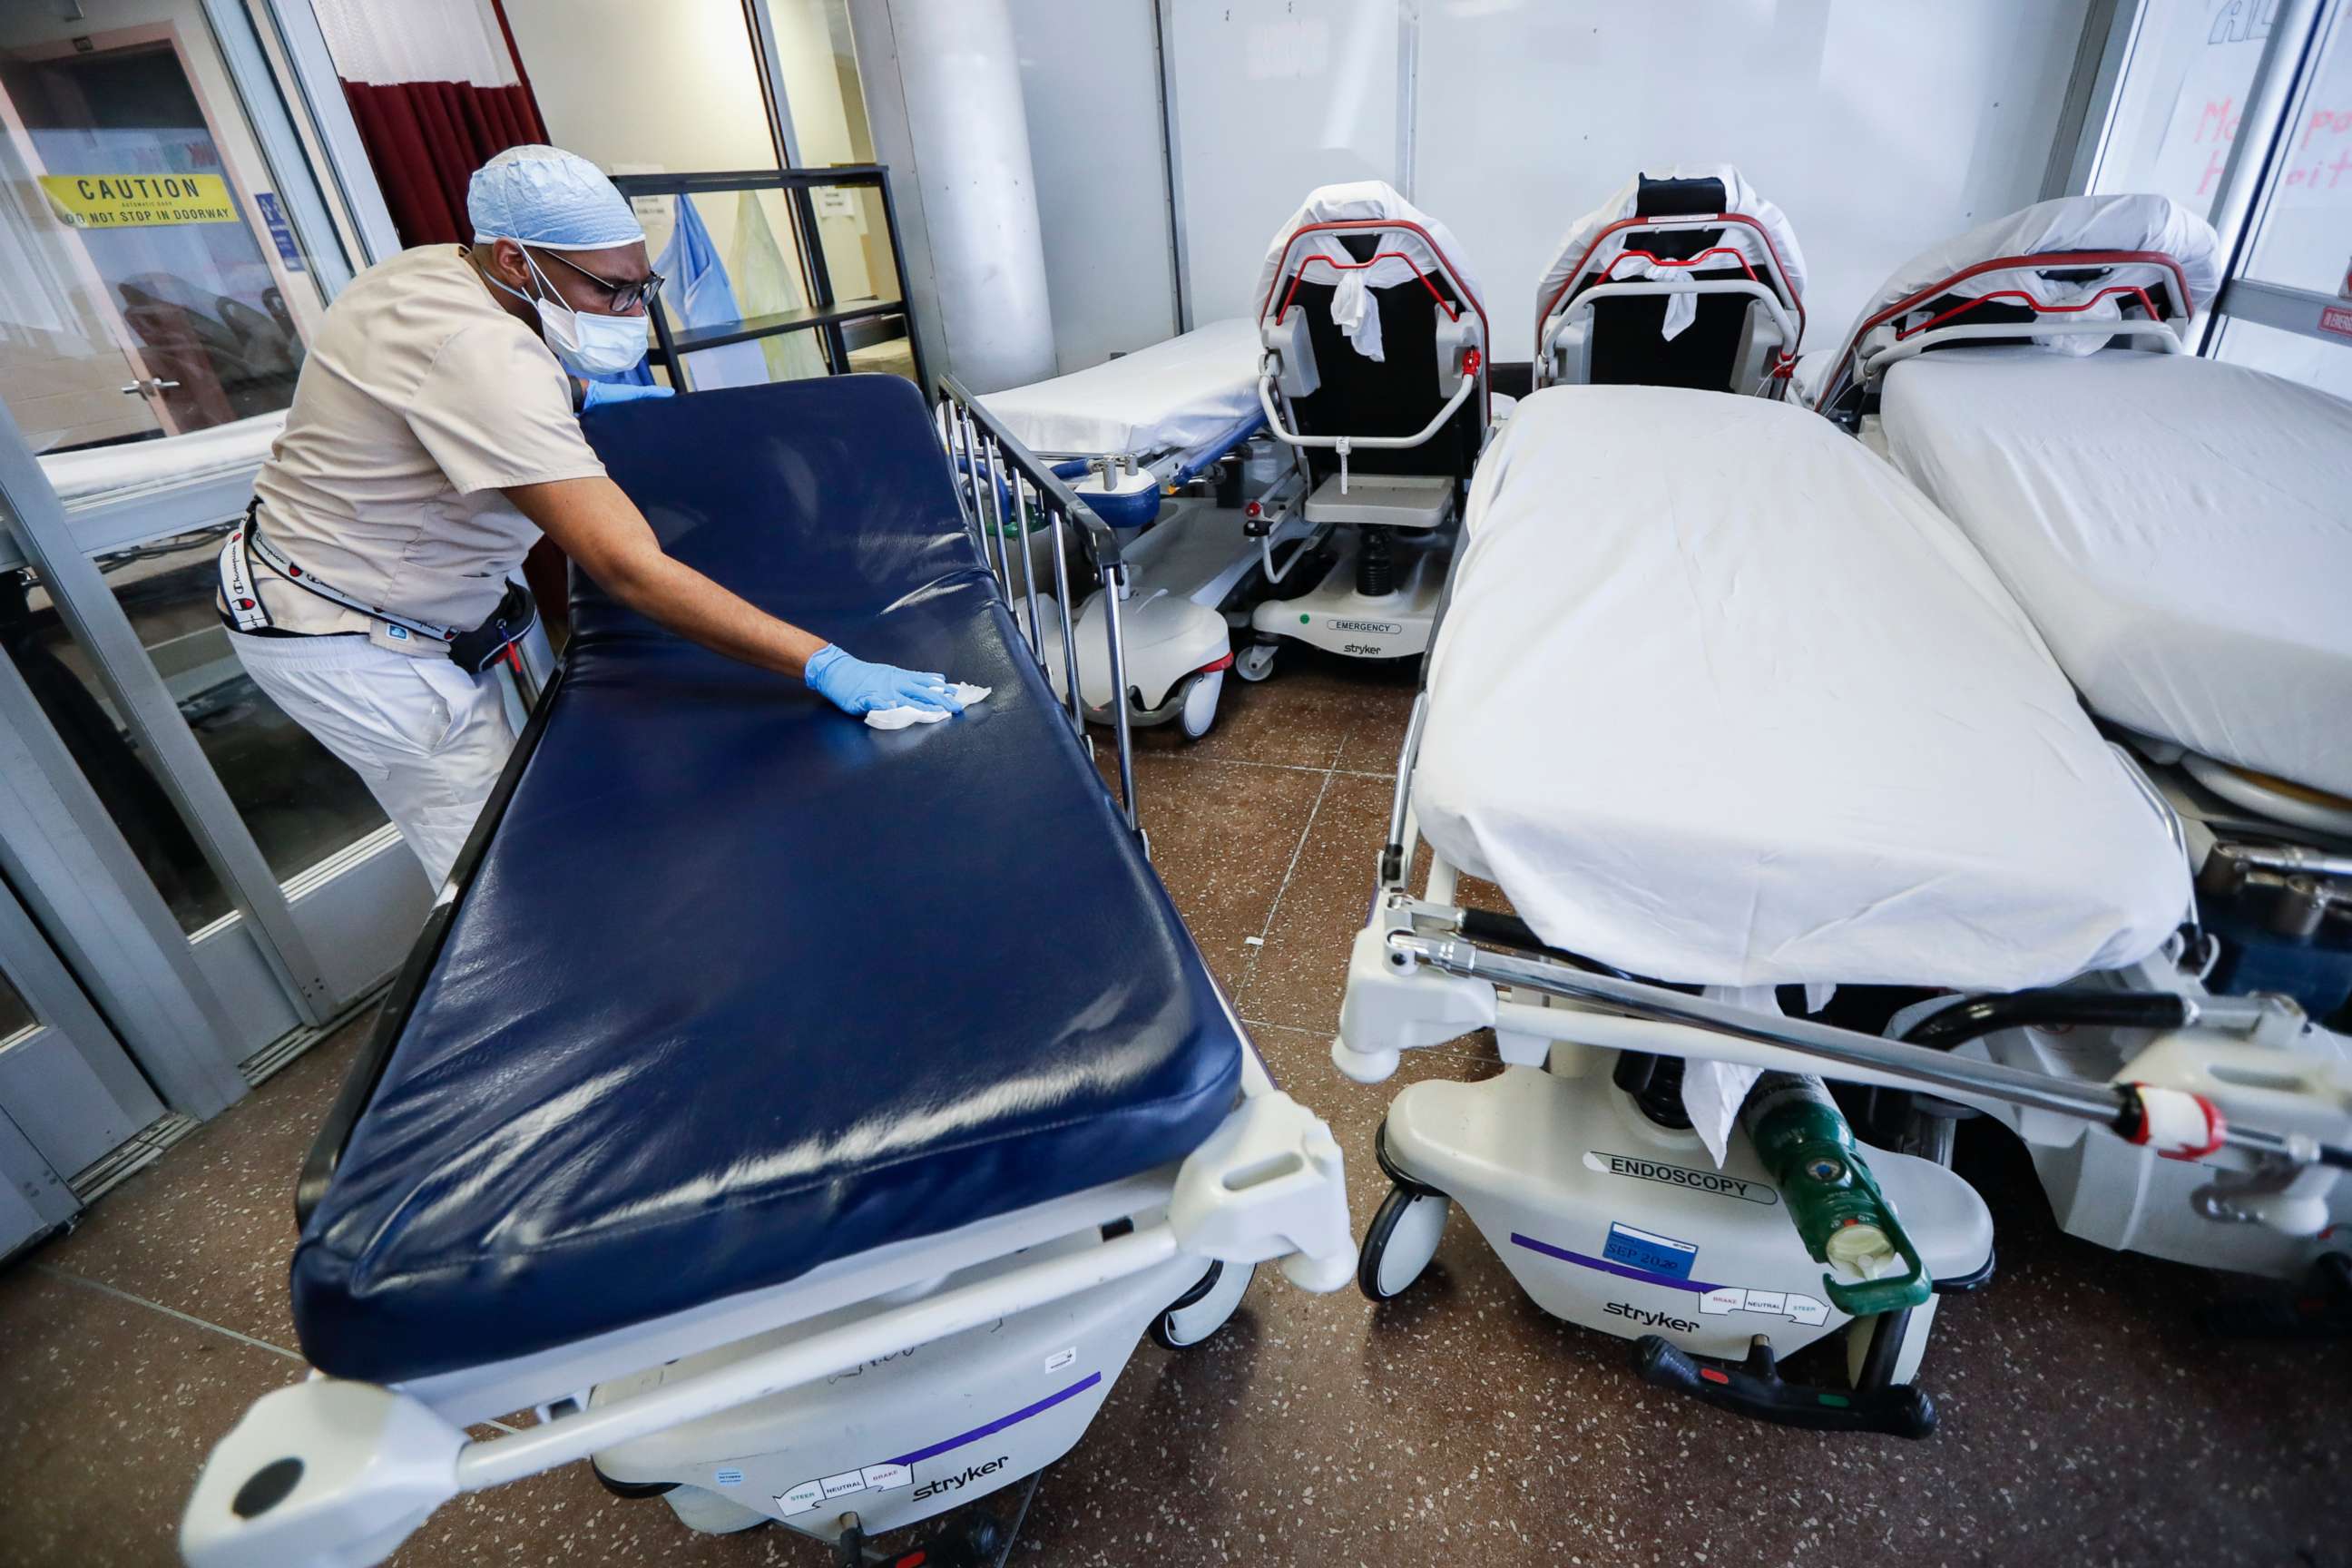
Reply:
x=84, y=887
x=64, y=1021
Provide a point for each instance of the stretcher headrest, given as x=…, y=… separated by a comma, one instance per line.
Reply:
x=1680, y=199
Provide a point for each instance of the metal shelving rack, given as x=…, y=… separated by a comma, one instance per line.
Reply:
x=825, y=314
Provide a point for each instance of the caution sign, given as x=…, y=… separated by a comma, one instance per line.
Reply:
x=138, y=201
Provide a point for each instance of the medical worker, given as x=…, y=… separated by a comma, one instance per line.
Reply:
x=434, y=435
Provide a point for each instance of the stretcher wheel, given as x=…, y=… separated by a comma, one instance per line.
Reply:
x=1256, y=662
x=1400, y=1240
x=1204, y=1309
x=1200, y=709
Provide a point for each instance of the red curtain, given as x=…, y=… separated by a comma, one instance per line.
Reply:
x=426, y=139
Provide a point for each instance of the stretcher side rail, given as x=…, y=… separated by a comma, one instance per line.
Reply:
x=978, y=443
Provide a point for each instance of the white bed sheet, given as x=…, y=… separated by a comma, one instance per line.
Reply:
x=2179, y=528
x=98, y=475
x=1170, y=397
x=1720, y=699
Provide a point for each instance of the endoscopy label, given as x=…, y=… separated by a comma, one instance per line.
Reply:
x=1647, y=1251
x=1721, y=1184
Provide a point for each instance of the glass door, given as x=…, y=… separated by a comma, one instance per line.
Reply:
x=166, y=249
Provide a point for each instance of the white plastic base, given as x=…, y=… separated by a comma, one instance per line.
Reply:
x=1179, y=572
x=888, y=1439
x=1335, y=617
x=1609, y=1221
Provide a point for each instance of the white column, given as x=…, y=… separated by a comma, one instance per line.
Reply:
x=943, y=97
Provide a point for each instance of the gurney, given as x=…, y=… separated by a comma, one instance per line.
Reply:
x=2179, y=528
x=1774, y=775
x=1375, y=375
x=1129, y=435
x=1160, y=415
x=1688, y=277
x=709, y=1081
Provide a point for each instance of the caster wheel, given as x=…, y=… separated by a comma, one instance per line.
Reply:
x=1200, y=709
x=1256, y=662
x=1204, y=1309
x=1399, y=1242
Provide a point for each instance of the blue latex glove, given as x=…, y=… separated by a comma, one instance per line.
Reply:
x=858, y=687
x=602, y=392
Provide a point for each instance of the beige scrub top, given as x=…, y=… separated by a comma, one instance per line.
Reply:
x=420, y=400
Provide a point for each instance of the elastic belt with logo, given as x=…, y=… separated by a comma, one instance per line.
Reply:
x=473, y=651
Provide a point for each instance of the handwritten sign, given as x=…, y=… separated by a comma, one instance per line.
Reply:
x=138, y=201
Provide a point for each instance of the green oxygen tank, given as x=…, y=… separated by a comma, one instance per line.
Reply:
x=1836, y=1207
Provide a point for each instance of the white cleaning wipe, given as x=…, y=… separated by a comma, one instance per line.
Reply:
x=900, y=717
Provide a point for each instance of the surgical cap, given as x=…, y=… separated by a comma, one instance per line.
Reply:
x=544, y=195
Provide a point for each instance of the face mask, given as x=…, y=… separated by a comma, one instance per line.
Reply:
x=588, y=343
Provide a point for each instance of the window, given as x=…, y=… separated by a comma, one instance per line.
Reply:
x=151, y=284
x=300, y=805
x=2183, y=98
x=2304, y=239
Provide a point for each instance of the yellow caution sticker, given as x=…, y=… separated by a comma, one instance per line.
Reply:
x=138, y=201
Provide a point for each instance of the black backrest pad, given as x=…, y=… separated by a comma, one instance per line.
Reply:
x=1394, y=396
x=1628, y=349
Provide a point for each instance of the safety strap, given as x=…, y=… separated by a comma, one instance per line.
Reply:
x=237, y=585
x=241, y=592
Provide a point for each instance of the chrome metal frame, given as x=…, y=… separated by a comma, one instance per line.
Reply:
x=981, y=450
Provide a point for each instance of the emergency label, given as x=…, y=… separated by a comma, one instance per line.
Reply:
x=1719, y=1183
x=138, y=201
x=1649, y=1251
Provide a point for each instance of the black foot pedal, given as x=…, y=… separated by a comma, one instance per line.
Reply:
x=1754, y=1387
x=2319, y=1309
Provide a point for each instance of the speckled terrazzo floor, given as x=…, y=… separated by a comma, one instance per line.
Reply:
x=2085, y=1419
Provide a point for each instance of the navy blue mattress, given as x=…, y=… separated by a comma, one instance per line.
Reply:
x=740, y=985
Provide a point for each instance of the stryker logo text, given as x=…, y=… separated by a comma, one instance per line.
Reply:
x=1647, y=1320
x=956, y=1483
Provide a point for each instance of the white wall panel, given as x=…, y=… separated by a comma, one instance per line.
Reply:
x=1274, y=97
x=1878, y=125
x=1090, y=82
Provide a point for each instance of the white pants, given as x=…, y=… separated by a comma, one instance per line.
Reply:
x=428, y=739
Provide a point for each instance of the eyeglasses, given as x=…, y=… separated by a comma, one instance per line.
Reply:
x=626, y=296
